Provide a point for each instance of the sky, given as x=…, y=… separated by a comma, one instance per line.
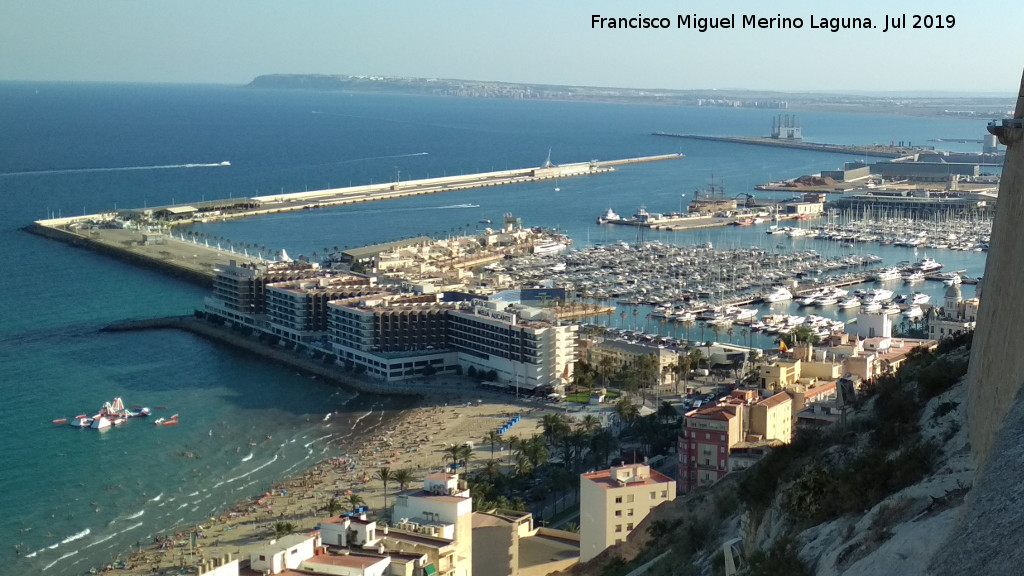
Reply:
x=544, y=42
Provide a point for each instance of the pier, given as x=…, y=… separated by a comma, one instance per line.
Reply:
x=154, y=246
x=275, y=203
x=880, y=151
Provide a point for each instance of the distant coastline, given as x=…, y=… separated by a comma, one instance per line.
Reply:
x=917, y=105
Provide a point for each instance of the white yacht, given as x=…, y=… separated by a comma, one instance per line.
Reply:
x=928, y=265
x=851, y=302
x=891, y=309
x=878, y=295
x=827, y=301
x=888, y=274
x=778, y=294
x=913, y=312
x=913, y=277
x=920, y=298
x=951, y=279
x=872, y=307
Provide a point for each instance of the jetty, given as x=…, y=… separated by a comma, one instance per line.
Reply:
x=880, y=151
x=144, y=236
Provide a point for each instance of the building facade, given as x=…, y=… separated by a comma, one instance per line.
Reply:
x=614, y=501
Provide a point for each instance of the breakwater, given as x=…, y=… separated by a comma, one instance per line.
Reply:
x=880, y=151
x=291, y=358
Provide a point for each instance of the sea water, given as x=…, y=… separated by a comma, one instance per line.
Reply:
x=73, y=499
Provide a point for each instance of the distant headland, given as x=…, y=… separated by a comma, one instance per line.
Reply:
x=952, y=105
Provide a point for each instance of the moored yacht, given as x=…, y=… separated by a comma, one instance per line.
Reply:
x=913, y=277
x=778, y=294
x=851, y=302
x=928, y=265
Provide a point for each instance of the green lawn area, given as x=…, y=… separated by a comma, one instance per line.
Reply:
x=584, y=397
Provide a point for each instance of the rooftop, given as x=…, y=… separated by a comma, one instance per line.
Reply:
x=346, y=560
x=604, y=479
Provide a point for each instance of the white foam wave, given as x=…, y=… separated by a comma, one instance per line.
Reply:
x=101, y=540
x=196, y=493
x=115, y=169
x=356, y=423
x=240, y=476
x=32, y=555
x=136, y=515
x=247, y=458
x=76, y=536
x=132, y=527
x=68, y=555
x=157, y=497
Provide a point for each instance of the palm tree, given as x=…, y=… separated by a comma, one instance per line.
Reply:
x=666, y=412
x=554, y=427
x=744, y=334
x=385, y=475
x=601, y=445
x=332, y=507
x=403, y=477
x=606, y=364
x=731, y=332
x=627, y=411
x=452, y=451
x=514, y=444
x=354, y=501
x=683, y=365
x=492, y=469
x=283, y=529
x=494, y=438
x=589, y=423
x=689, y=324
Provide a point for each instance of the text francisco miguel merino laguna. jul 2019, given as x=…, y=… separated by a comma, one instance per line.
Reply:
x=778, y=22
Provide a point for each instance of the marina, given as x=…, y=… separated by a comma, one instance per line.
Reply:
x=60, y=350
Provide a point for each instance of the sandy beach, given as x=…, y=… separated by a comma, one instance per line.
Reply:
x=415, y=440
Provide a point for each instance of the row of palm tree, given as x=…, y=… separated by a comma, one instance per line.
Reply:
x=403, y=477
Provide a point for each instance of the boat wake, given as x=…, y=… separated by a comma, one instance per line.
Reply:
x=116, y=169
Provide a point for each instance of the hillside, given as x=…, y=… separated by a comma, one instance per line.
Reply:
x=878, y=497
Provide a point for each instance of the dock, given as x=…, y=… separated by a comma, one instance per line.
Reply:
x=880, y=151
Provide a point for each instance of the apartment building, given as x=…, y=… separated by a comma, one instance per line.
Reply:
x=614, y=501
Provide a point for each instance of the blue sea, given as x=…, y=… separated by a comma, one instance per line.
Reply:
x=74, y=499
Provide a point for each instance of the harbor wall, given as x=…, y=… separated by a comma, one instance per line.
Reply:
x=278, y=355
x=997, y=365
x=200, y=277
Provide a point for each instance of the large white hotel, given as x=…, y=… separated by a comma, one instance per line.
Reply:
x=392, y=335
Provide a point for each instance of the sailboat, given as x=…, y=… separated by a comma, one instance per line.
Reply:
x=557, y=189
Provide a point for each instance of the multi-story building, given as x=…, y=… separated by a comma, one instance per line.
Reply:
x=521, y=345
x=239, y=292
x=442, y=509
x=394, y=336
x=772, y=418
x=297, y=310
x=703, y=446
x=955, y=317
x=614, y=501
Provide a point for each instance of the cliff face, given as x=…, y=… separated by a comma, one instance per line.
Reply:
x=997, y=367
